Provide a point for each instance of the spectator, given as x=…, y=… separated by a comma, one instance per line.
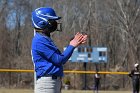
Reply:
x=96, y=81
x=135, y=75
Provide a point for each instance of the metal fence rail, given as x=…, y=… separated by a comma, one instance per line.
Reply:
x=66, y=71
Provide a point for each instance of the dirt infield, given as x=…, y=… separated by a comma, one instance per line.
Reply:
x=81, y=91
x=63, y=91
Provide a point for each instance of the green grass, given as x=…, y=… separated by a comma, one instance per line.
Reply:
x=63, y=91
x=16, y=91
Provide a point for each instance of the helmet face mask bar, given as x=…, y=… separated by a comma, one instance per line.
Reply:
x=59, y=27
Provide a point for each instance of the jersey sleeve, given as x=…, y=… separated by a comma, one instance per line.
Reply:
x=59, y=59
x=45, y=48
x=50, y=52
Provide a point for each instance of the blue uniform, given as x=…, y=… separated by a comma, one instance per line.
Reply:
x=46, y=56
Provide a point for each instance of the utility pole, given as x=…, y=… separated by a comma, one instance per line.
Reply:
x=89, y=43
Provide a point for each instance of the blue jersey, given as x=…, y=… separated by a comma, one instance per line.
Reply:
x=46, y=56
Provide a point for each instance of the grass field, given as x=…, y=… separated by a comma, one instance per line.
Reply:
x=63, y=91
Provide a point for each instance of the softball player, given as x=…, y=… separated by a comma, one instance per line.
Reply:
x=48, y=60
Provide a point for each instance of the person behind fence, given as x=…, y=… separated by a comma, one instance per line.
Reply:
x=135, y=75
x=47, y=58
x=96, y=81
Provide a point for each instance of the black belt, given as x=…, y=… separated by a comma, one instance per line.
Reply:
x=52, y=76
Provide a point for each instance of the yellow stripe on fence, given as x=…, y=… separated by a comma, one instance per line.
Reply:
x=73, y=71
x=15, y=70
x=93, y=72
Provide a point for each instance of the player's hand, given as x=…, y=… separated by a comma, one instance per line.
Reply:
x=78, y=39
x=84, y=39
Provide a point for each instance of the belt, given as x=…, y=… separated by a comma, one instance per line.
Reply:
x=52, y=76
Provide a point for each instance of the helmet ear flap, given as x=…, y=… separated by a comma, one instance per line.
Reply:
x=52, y=25
x=43, y=24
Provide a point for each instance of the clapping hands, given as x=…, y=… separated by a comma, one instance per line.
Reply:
x=78, y=39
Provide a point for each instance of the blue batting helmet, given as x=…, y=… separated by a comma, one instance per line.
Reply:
x=41, y=16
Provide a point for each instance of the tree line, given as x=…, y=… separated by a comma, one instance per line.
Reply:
x=110, y=23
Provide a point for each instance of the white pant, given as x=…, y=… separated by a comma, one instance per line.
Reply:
x=48, y=85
